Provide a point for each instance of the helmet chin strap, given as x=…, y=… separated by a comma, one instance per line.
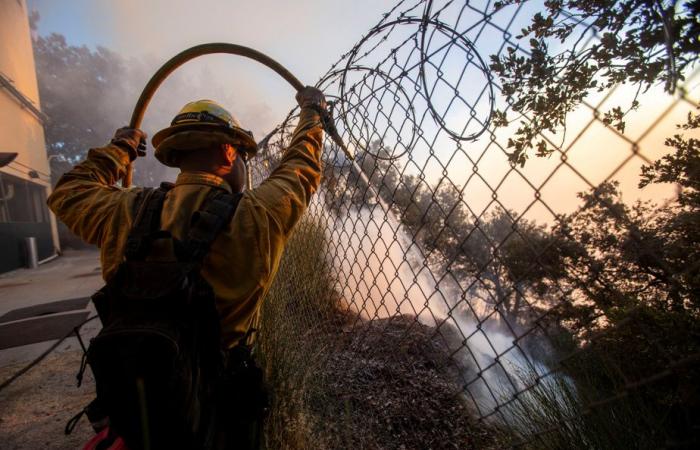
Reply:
x=248, y=173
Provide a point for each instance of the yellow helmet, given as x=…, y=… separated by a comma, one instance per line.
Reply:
x=198, y=125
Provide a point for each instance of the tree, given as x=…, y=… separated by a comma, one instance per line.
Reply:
x=644, y=254
x=679, y=222
x=642, y=43
x=515, y=265
x=86, y=95
x=634, y=307
x=76, y=85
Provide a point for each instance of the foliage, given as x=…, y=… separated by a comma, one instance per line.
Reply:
x=631, y=316
x=301, y=303
x=86, y=95
x=75, y=85
x=639, y=42
x=634, y=308
x=682, y=166
x=574, y=409
x=644, y=254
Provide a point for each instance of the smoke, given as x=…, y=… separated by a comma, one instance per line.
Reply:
x=383, y=273
x=88, y=94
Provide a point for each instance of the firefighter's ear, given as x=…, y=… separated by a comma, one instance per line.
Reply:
x=229, y=154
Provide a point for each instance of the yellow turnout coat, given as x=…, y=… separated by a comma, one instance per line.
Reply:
x=244, y=257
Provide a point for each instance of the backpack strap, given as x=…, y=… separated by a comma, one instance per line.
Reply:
x=207, y=223
x=146, y=225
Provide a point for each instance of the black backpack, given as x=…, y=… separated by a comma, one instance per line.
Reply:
x=157, y=361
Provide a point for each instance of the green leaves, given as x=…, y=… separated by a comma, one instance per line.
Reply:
x=614, y=117
x=682, y=167
x=638, y=44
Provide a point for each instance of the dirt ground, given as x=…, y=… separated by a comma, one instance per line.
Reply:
x=35, y=408
x=384, y=384
x=395, y=389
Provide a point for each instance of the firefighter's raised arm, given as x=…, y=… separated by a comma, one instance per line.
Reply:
x=86, y=197
x=287, y=192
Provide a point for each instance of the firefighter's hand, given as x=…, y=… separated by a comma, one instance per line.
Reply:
x=132, y=140
x=310, y=97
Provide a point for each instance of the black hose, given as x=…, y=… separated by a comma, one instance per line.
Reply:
x=200, y=50
x=208, y=49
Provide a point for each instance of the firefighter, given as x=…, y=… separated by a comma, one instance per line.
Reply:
x=210, y=148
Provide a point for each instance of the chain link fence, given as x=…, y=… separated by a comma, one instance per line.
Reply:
x=442, y=293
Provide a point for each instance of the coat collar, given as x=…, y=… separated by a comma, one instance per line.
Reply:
x=202, y=178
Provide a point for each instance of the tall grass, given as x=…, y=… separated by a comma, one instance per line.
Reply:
x=299, y=316
x=576, y=409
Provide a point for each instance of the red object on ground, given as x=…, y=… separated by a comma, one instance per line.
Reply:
x=103, y=435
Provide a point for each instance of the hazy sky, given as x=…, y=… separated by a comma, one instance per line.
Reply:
x=306, y=36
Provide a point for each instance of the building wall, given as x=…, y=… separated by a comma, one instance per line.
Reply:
x=21, y=131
